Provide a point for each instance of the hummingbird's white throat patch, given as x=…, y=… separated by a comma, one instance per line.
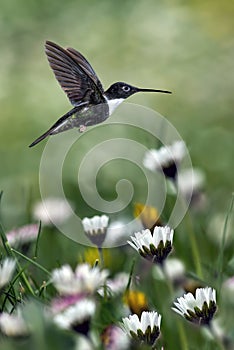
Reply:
x=113, y=104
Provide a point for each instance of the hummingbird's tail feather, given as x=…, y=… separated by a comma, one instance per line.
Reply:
x=39, y=139
x=57, y=127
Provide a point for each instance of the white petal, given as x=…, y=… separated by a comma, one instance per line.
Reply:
x=145, y=321
x=180, y=312
x=200, y=297
x=13, y=324
x=7, y=269
x=180, y=307
x=133, y=323
x=95, y=223
x=189, y=302
x=214, y=295
x=104, y=220
x=135, y=246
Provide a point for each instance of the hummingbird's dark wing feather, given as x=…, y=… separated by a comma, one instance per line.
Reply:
x=81, y=60
x=75, y=75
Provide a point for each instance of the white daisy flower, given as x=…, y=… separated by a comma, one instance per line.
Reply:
x=116, y=233
x=22, y=235
x=13, y=325
x=119, y=283
x=64, y=281
x=146, y=329
x=52, y=211
x=85, y=279
x=91, y=278
x=95, y=228
x=116, y=285
x=165, y=159
x=119, y=231
x=199, y=309
x=174, y=270
x=153, y=246
x=7, y=269
x=191, y=180
x=77, y=317
x=82, y=342
x=191, y=183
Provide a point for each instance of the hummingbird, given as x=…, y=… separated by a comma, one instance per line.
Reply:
x=91, y=103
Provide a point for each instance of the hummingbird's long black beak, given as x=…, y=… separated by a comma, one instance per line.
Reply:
x=153, y=90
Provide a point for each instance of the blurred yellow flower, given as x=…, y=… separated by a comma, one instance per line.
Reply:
x=136, y=301
x=148, y=215
x=91, y=256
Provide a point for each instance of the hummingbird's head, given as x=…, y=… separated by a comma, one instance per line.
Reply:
x=122, y=90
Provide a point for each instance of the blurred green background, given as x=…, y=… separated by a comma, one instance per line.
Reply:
x=183, y=46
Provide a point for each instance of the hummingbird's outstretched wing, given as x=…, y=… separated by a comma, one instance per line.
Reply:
x=81, y=60
x=75, y=75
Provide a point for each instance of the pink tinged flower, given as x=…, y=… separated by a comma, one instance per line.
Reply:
x=199, y=309
x=114, y=338
x=23, y=235
x=95, y=228
x=228, y=290
x=165, y=159
x=7, y=269
x=85, y=279
x=153, y=246
x=146, y=329
x=13, y=325
x=63, y=302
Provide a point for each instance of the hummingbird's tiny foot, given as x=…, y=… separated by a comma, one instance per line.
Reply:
x=82, y=128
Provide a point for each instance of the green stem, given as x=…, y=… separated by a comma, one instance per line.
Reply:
x=33, y=262
x=37, y=242
x=180, y=327
x=10, y=252
x=130, y=275
x=222, y=247
x=100, y=251
x=194, y=246
x=192, y=238
x=23, y=276
x=216, y=337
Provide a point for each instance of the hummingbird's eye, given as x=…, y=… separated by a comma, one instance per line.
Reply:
x=126, y=88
